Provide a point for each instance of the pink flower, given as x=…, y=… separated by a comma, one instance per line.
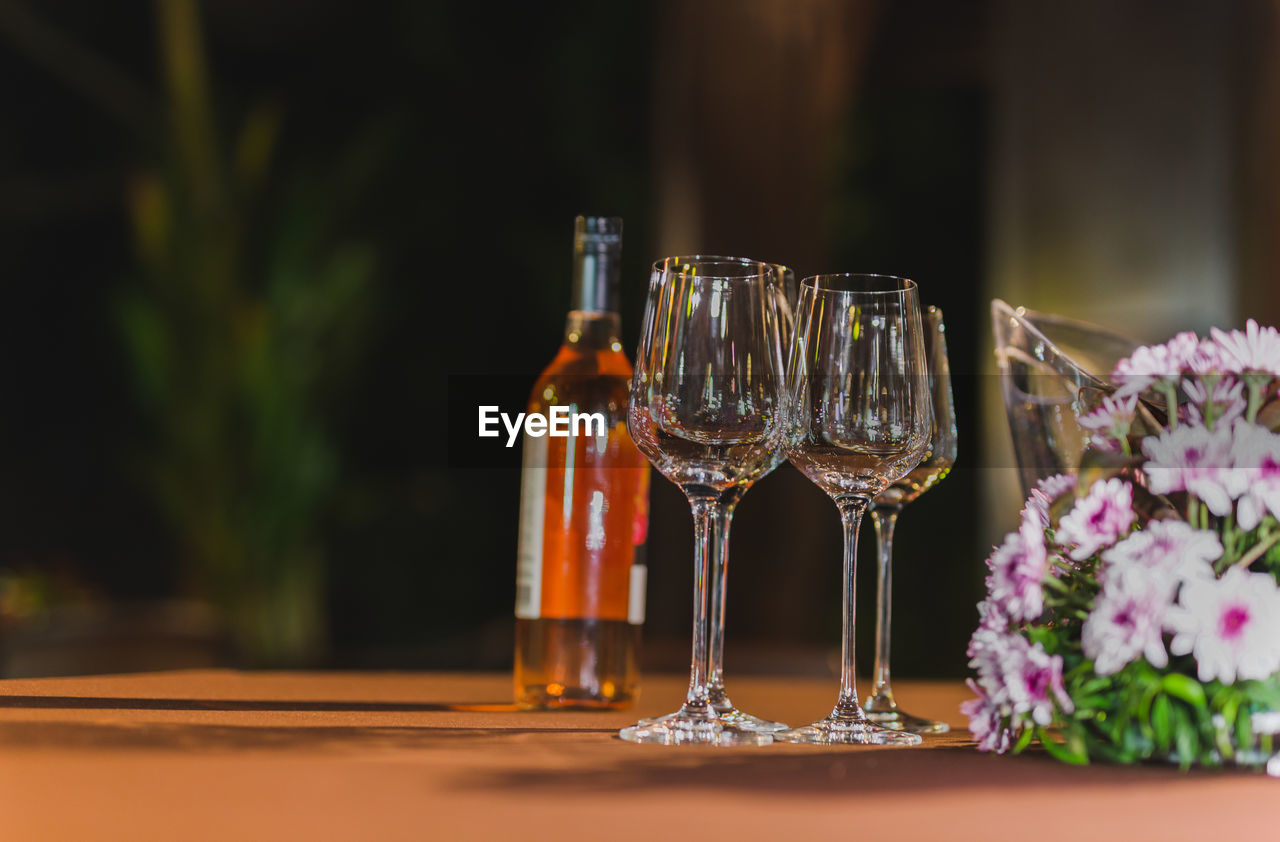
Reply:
x=1035, y=683
x=1205, y=359
x=991, y=616
x=1255, y=473
x=1127, y=619
x=990, y=649
x=1044, y=494
x=1055, y=486
x=1018, y=566
x=1154, y=363
x=1097, y=520
x=1226, y=398
x=1113, y=418
x=986, y=722
x=1194, y=459
x=1018, y=677
x=1231, y=625
x=1254, y=349
x=1171, y=549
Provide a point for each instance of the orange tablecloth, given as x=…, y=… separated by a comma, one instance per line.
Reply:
x=343, y=756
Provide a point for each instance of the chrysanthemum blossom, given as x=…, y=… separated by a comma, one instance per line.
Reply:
x=1194, y=459
x=1173, y=549
x=1127, y=620
x=990, y=616
x=1252, y=350
x=1018, y=566
x=1113, y=418
x=1055, y=486
x=1230, y=625
x=1098, y=519
x=991, y=651
x=986, y=722
x=1034, y=684
x=1224, y=403
x=1044, y=494
x=1154, y=363
x=1017, y=676
x=1205, y=359
x=1255, y=473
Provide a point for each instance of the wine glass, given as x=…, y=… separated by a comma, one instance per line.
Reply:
x=705, y=409
x=858, y=418
x=881, y=707
x=784, y=288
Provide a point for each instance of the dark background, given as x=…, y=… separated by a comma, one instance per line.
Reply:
x=451, y=144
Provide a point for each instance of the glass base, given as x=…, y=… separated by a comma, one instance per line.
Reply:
x=899, y=720
x=691, y=726
x=746, y=722
x=735, y=718
x=843, y=729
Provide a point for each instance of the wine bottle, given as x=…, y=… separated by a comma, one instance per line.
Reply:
x=584, y=506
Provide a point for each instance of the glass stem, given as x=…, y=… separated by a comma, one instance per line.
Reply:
x=851, y=511
x=885, y=518
x=709, y=520
x=719, y=584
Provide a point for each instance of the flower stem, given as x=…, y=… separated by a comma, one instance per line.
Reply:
x=1171, y=397
x=1255, y=399
x=1257, y=551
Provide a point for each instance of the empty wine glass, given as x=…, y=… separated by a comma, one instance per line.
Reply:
x=858, y=419
x=705, y=409
x=881, y=707
x=784, y=289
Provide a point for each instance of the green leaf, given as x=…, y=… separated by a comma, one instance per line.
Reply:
x=1244, y=729
x=1070, y=751
x=1186, y=741
x=1024, y=739
x=1161, y=723
x=1183, y=687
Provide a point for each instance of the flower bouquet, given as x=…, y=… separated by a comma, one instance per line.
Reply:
x=1135, y=613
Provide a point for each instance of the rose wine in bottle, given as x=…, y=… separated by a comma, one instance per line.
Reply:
x=584, y=506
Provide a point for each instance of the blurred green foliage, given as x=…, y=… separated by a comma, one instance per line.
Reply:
x=240, y=319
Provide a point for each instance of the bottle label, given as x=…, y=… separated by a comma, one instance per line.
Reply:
x=635, y=601
x=533, y=487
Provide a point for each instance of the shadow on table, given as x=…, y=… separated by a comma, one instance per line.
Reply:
x=213, y=739
x=241, y=705
x=849, y=771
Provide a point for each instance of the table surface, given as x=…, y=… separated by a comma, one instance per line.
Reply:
x=232, y=755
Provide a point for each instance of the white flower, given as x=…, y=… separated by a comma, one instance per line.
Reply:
x=991, y=616
x=1227, y=399
x=1016, y=676
x=1231, y=625
x=1098, y=519
x=1034, y=683
x=1153, y=363
x=1191, y=458
x=1113, y=418
x=1044, y=494
x=1205, y=359
x=1055, y=486
x=1018, y=566
x=1127, y=620
x=1171, y=548
x=986, y=722
x=1255, y=474
x=1254, y=349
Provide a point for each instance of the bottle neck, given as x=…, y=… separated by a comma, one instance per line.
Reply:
x=588, y=329
x=597, y=264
